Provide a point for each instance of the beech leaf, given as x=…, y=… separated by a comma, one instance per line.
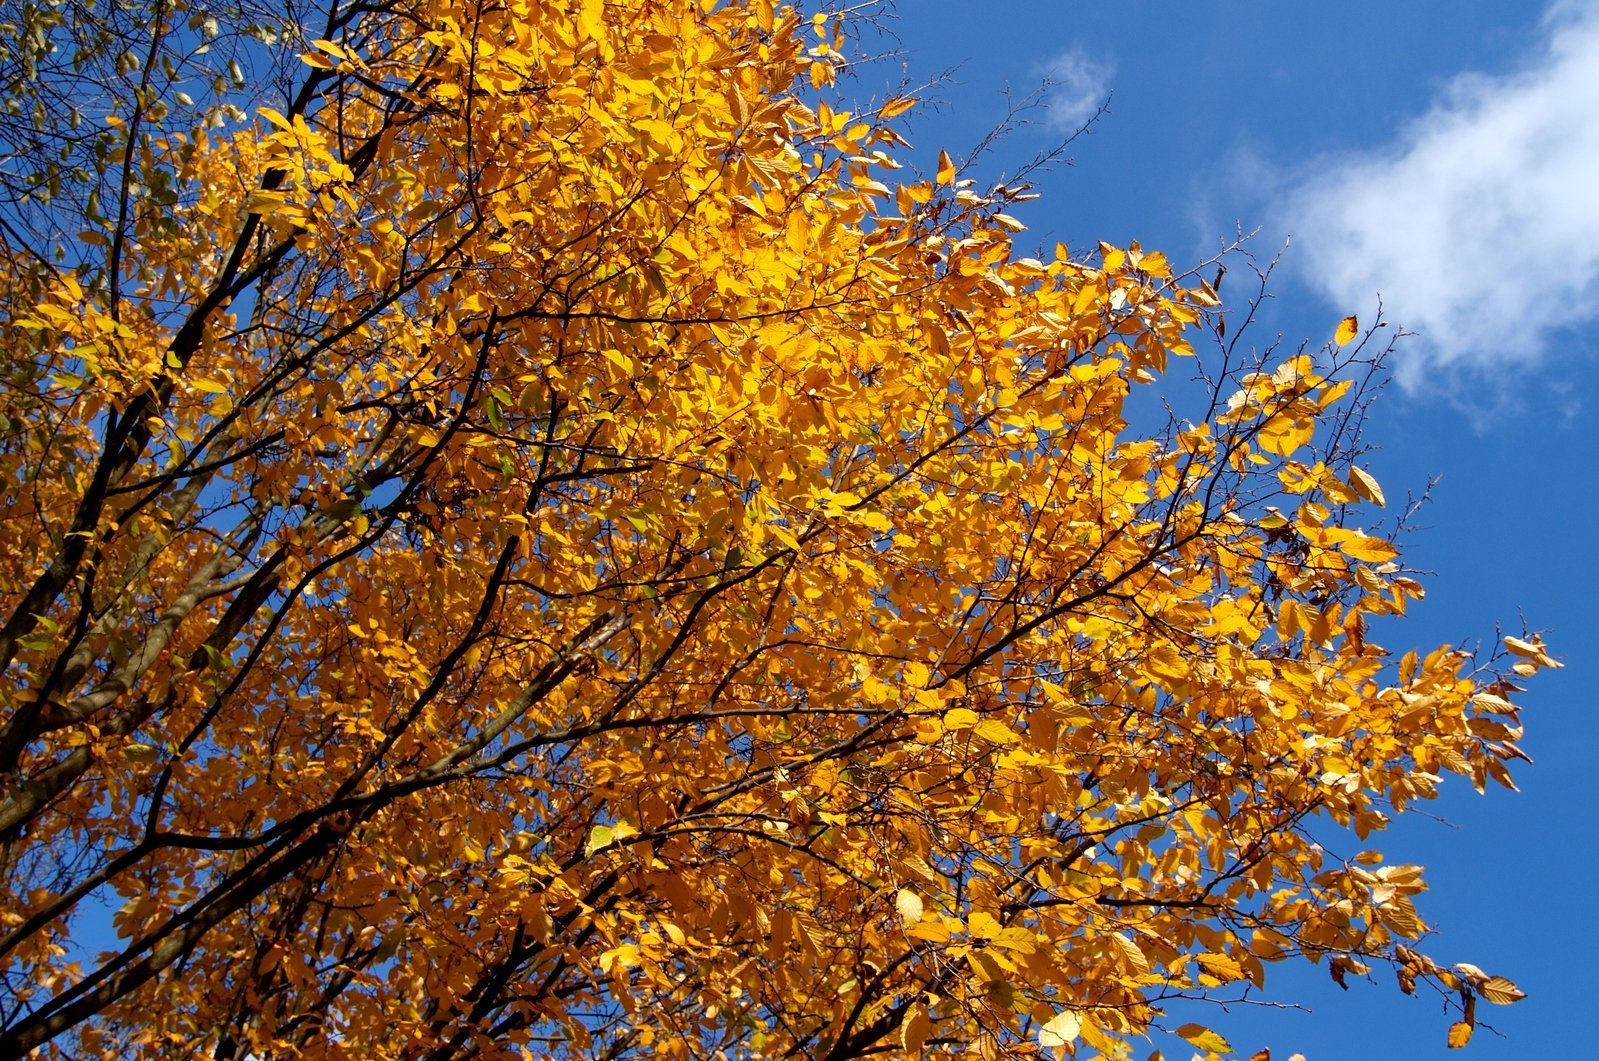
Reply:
x=1348, y=328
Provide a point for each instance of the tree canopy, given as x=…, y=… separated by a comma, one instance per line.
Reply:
x=531, y=530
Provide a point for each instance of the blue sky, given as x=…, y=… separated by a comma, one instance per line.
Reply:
x=1445, y=157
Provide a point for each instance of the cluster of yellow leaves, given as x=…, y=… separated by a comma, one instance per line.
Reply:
x=567, y=553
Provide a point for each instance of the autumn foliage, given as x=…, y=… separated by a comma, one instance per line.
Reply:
x=530, y=531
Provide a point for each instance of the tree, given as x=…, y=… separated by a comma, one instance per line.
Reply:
x=537, y=540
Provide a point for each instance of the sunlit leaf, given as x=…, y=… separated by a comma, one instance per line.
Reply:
x=1498, y=990
x=1348, y=328
x=538, y=541
x=1366, y=486
x=895, y=107
x=1204, y=1039
x=909, y=905
x=1061, y=1030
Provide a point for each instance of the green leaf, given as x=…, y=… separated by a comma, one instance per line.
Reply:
x=600, y=837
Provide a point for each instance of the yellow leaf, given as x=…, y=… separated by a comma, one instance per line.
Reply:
x=1220, y=966
x=983, y=925
x=626, y=956
x=1366, y=486
x=1399, y=914
x=1062, y=1030
x=796, y=232
x=895, y=107
x=1372, y=550
x=946, y=168
x=916, y=1029
x=995, y=731
x=1284, y=434
x=264, y=203
x=591, y=18
x=1137, y=961
x=1166, y=664
x=1332, y=392
x=960, y=718
x=1205, y=1039
x=1459, y=1034
x=1348, y=328
x=932, y=931
x=784, y=536
x=1533, y=650
x=937, y=338
x=1523, y=648
x=909, y=905
x=1500, y=991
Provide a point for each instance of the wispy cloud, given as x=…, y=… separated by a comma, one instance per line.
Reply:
x=1075, y=84
x=1479, y=223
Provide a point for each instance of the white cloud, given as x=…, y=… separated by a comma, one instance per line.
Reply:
x=1075, y=84
x=1479, y=224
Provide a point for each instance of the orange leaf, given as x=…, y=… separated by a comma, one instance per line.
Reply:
x=917, y=1027
x=895, y=107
